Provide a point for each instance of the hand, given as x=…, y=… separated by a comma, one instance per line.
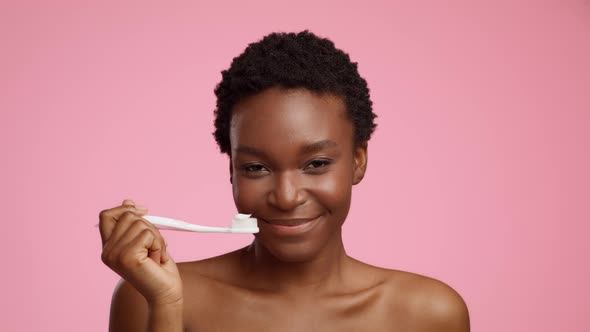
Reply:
x=135, y=249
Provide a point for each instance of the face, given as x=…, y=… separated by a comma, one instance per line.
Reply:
x=293, y=164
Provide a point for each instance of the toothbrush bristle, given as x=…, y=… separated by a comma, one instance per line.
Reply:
x=244, y=223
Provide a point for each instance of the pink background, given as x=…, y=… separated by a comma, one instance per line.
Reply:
x=478, y=172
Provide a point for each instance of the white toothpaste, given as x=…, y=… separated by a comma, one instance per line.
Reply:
x=243, y=221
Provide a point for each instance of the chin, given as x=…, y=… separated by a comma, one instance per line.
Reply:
x=294, y=252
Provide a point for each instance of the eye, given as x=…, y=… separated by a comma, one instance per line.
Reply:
x=317, y=164
x=253, y=168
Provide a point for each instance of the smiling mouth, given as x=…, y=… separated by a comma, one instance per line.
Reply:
x=288, y=222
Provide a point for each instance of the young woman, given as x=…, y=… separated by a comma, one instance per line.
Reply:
x=294, y=117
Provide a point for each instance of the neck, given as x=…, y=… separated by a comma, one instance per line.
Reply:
x=320, y=271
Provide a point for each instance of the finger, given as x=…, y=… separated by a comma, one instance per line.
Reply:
x=168, y=256
x=135, y=227
x=153, y=245
x=129, y=228
x=108, y=219
x=131, y=232
x=128, y=202
x=165, y=257
x=137, y=250
x=125, y=221
x=155, y=255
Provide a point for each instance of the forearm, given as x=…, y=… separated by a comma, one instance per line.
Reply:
x=165, y=318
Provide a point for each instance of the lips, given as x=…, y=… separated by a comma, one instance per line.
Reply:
x=288, y=222
x=293, y=227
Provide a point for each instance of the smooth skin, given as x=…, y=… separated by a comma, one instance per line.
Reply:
x=293, y=160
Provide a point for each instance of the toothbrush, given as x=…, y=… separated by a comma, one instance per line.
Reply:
x=241, y=223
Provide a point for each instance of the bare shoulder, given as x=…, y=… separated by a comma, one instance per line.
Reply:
x=429, y=304
x=213, y=268
x=129, y=309
x=202, y=279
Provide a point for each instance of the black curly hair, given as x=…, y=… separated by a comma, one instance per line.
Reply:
x=293, y=60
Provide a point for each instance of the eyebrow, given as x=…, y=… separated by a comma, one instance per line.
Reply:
x=318, y=146
x=307, y=149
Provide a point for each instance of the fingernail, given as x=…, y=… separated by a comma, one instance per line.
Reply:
x=143, y=208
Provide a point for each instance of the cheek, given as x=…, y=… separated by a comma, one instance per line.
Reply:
x=248, y=194
x=333, y=191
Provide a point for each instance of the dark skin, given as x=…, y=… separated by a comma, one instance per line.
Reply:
x=293, y=161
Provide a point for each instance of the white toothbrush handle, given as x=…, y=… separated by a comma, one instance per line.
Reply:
x=169, y=223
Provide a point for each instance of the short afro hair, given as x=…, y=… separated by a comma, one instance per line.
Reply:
x=293, y=60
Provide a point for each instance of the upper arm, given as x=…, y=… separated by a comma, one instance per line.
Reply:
x=129, y=309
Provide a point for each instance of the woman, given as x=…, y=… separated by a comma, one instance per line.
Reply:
x=294, y=117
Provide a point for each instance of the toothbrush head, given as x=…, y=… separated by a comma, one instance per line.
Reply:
x=242, y=223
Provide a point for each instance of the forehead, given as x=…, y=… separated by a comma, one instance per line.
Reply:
x=276, y=118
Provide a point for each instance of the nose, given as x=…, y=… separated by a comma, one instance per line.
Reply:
x=286, y=193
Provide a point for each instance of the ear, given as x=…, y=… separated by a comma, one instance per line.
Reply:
x=360, y=163
x=231, y=172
